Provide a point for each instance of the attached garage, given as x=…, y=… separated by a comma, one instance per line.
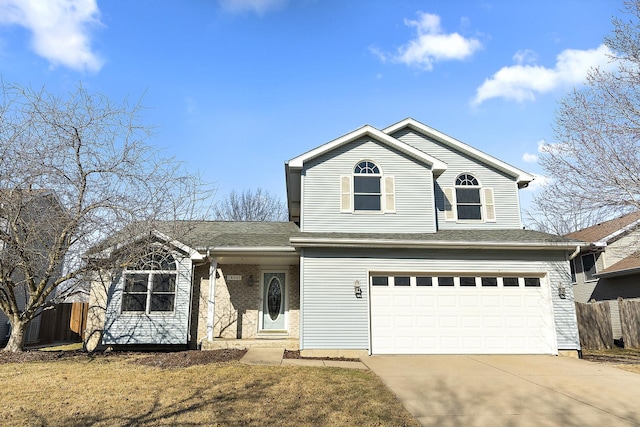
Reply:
x=461, y=314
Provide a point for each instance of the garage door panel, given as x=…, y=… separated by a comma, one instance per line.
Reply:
x=472, y=322
x=432, y=320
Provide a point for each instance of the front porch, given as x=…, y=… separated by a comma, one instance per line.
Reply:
x=266, y=342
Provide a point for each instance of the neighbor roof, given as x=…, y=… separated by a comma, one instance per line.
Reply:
x=607, y=231
x=626, y=266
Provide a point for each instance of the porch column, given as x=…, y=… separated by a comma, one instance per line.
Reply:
x=213, y=268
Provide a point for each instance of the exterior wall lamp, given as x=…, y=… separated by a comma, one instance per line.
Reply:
x=251, y=281
x=562, y=291
x=357, y=289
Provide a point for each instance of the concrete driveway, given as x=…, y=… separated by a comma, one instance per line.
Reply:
x=511, y=390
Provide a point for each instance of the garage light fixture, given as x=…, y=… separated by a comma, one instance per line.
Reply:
x=357, y=288
x=562, y=291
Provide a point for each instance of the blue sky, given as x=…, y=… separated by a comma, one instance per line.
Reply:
x=235, y=88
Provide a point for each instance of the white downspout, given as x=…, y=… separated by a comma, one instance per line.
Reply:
x=213, y=268
x=575, y=253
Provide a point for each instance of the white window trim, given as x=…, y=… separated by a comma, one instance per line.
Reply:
x=150, y=274
x=347, y=192
x=450, y=199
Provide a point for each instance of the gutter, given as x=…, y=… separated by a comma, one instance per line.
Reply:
x=302, y=242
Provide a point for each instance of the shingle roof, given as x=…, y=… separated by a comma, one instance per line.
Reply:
x=598, y=232
x=501, y=235
x=230, y=234
x=201, y=234
x=628, y=265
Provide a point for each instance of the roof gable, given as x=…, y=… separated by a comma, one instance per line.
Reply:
x=608, y=231
x=437, y=166
x=523, y=178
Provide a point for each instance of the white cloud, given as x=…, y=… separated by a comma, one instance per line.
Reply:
x=522, y=82
x=256, y=6
x=539, y=182
x=60, y=29
x=532, y=158
x=431, y=44
x=525, y=56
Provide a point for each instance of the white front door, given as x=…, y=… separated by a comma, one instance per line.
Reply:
x=273, y=301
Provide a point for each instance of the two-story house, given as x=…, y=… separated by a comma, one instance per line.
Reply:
x=401, y=241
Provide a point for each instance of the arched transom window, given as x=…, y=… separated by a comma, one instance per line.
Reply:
x=366, y=187
x=150, y=283
x=468, y=201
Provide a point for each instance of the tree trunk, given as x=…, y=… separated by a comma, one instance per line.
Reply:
x=16, y=340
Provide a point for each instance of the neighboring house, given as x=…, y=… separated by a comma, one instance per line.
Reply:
x=401, y=241
x=39, y=210
x=608, y=266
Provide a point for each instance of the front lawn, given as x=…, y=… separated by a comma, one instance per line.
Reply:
x=113, y=390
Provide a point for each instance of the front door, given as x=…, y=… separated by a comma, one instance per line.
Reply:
x=273, y=301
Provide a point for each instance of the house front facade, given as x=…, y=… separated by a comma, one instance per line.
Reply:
x=401, y=241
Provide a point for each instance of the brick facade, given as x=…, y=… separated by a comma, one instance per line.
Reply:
x=237, y=303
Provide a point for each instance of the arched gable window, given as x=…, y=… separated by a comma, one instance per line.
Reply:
x=150, y=283
x=366, y=187
x=468, y=202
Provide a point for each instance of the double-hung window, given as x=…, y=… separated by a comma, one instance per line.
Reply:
x=589, y=266
x=366, y=187
x=367, y=190
x=150, y=284
x=468, y=197
x=468, y=200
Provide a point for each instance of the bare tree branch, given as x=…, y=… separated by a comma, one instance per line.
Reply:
x=251, y=206
x=595, y=166
x=76, y=169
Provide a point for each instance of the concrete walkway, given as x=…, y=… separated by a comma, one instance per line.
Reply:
x=274, y=357
x=510, y=390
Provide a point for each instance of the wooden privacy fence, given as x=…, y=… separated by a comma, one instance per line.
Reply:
x=64, y=322
x=630, y=322
x=594, y=325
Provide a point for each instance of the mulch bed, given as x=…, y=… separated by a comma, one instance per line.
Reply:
x=295, y=354
x=183, y=359
x=165, y=360
x=158, y=359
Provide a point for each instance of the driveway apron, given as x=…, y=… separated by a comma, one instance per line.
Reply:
x=513, y=390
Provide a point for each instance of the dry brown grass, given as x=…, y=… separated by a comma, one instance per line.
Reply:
x=116, y=392
x=623, y=358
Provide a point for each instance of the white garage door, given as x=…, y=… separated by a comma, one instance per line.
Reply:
x=421, y=314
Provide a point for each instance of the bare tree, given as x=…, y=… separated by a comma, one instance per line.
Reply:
x=595, y=166
x=251, y=206
x=75, y=170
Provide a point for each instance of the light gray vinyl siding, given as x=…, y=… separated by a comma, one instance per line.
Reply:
x=505, y=189
x=414, y=202
x=333, y=318
x=154, y=328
